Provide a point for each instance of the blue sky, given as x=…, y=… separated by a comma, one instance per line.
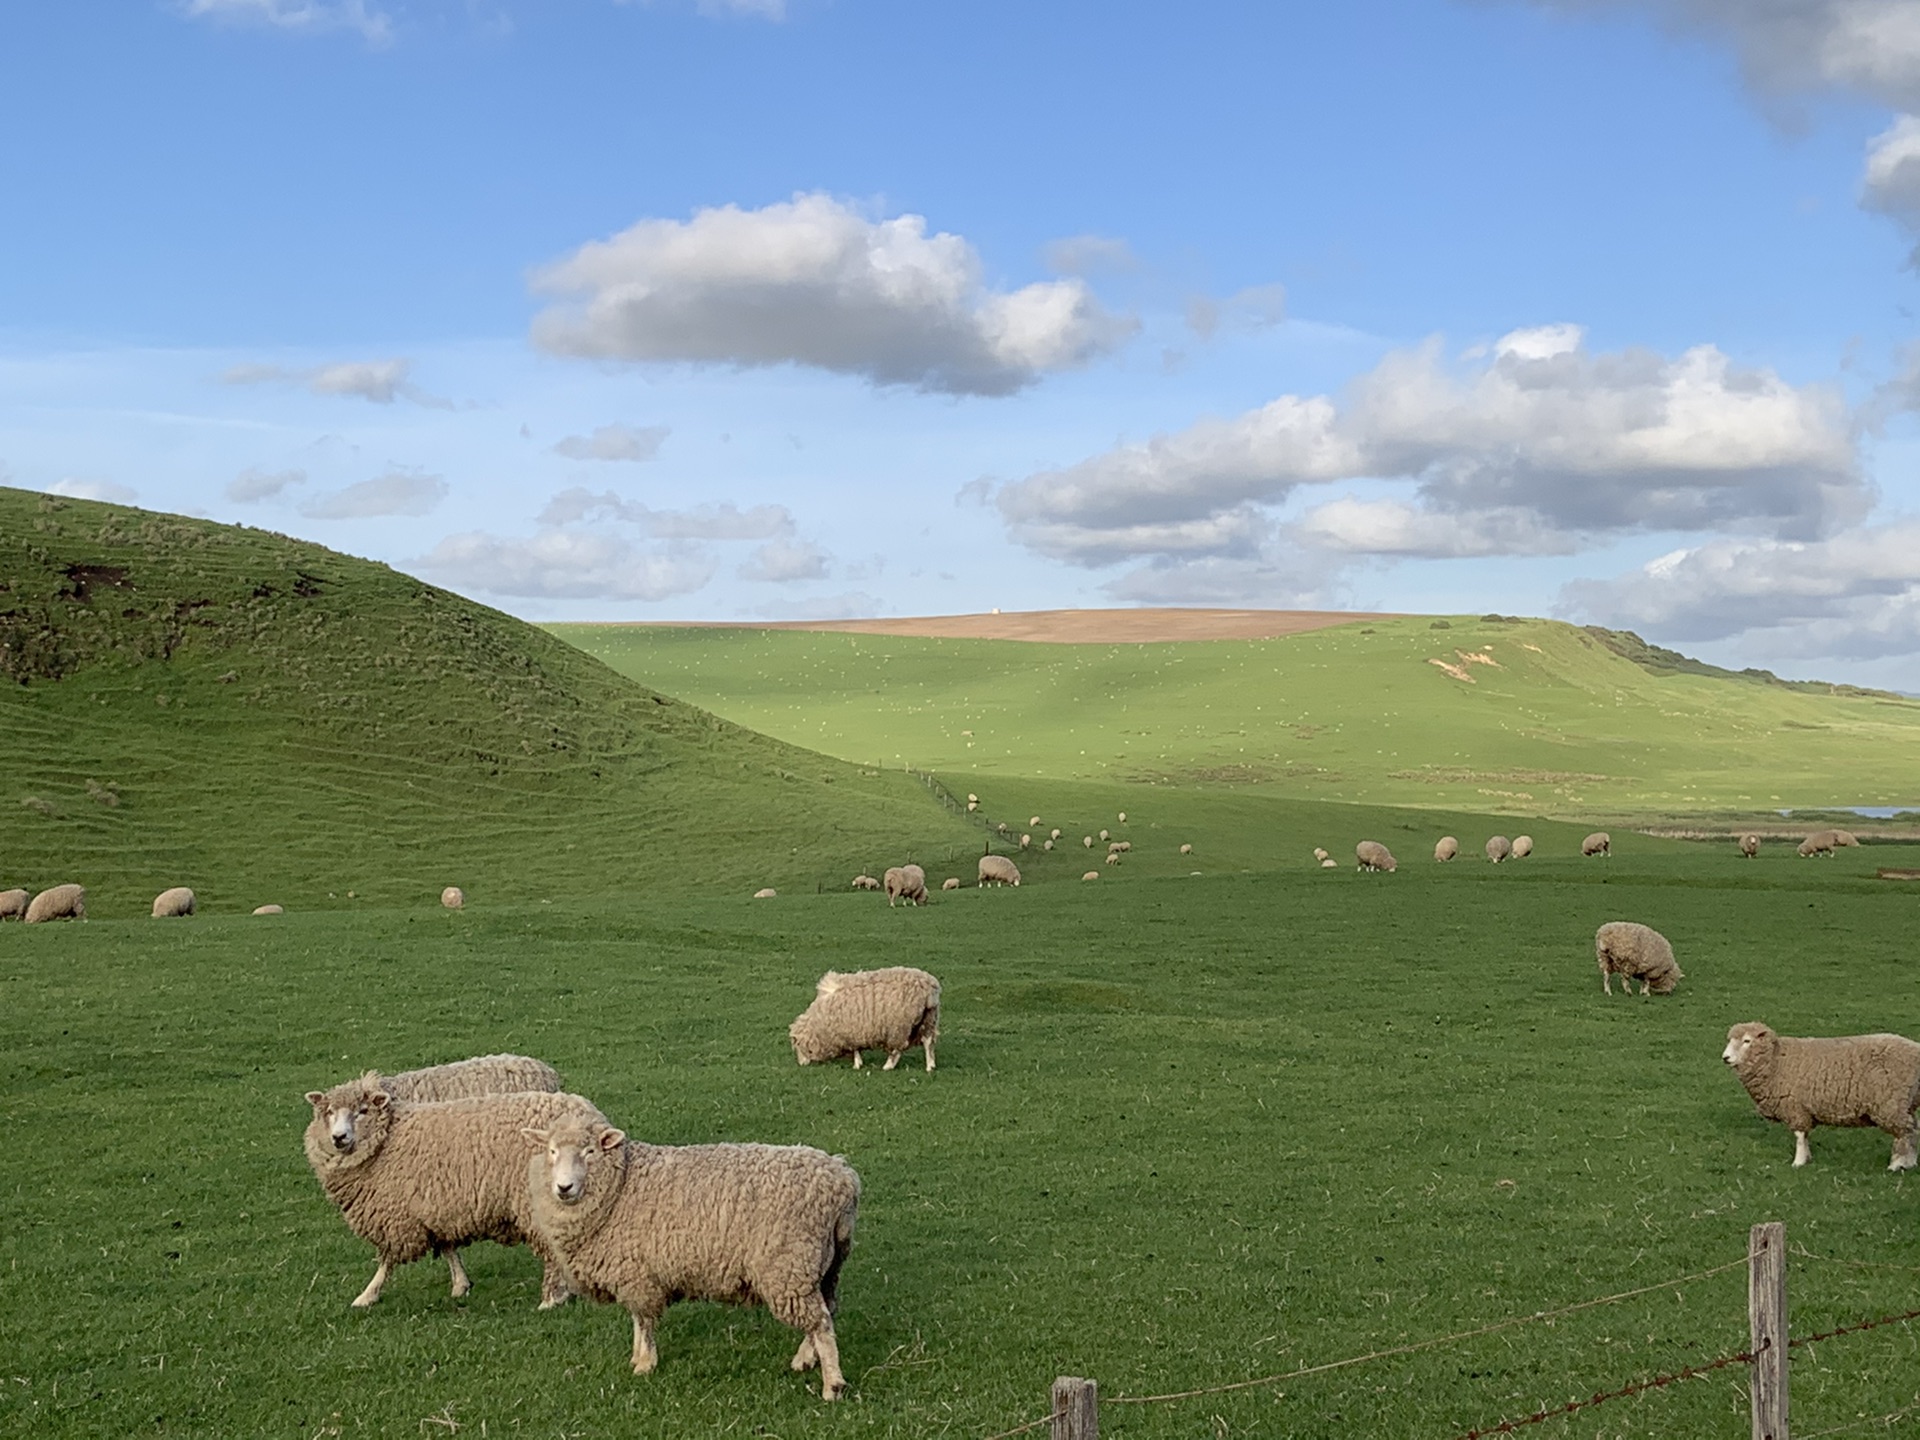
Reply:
x=737, y=308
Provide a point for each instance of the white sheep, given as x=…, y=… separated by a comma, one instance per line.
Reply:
x=1119, y=847
x=1329, y=864
x=1113, y=857
x=768, y=893
x=453, y=897
x=893, y=1009
x=1749, y=846
x=973, y=799
x=62, y=902
x=417, y=1178
x=1372, y=855
x=1091, y=875
x=952, y=882
x=1522, y=847
x=905, y=882
x=1498, y=848
x=1087, y=840
x=170, y=904
x=1104, y=836
x=998, y=870
x=1319, y=854
x=1598, y=843
x=1123, y=817
x=1820, y=842
x=645, y=1225
x=13, y=904
x=1844, y=838
x=1034, y=823
x=1046, y=845
x=1026, y=841
x=1446, y=848
x=1186, y=849
x=1055, y=835
x=269, y=909
x=1635, y=952
x=1841, y=1080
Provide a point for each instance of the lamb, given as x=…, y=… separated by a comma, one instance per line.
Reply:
x=414, y=1178
x=1820, y=842
x=1499, y=848
x=1635, y=952
x=865, y=882
x=1843, y=1080
x=1372, y=855
x=1319, y=854
x=1598, y=843
x=62, y=902
x=269, y=909
x=998, y=870
x=169, y=904
x=1091, y=875
x=892, y=1009
x=453, y=897
x=906, y=882
x=644, y=1225
x=952, y=882
x=13, y=904
x=1749, y=846
x=1446, y=848
x=1522, y=846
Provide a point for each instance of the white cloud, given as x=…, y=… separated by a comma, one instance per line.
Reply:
x=380, y=381
x=1892, y=183
x=782, y=562
x=79, y=489
x=1538, y=446
x=398, y=492
x=300, y=16
x=814, y=282
x=1855, y=595
x=254, y=484
x=1283, y=579
x=614, y=442
x=1258, y=307
x=721, y=521
x=567, y=564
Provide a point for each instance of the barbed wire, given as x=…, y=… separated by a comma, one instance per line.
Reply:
x=1658, y=1382
x=1854, y=1329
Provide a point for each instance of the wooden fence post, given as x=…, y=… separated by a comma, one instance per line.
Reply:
x=1075, y=1409
x=1767, y=1321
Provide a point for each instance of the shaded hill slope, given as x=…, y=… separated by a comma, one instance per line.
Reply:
x=265, y=719
x=1521, y=716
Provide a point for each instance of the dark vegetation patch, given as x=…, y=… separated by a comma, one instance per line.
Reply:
x=1659, y=660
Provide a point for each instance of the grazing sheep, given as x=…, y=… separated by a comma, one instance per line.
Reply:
x=1034, y=823
x=1844, y=838
x=1843, y=1080
x=1103, y=836
x=1820, y=842
x=1113, y=857
x=865, y=882
x=1123, y=817
x=169, y=904
x=417, y=1178
x=1329, y=864
x=1749, y=846
x=1026, y=841
x=1186, y=849
x=13, y=904
x=952, y=882
x=269, y=909
x=1446, y=848
x=644, y=1225
x=973, y=799
x=1372, y=855
x=998, y=870
x=1055, y=835
x=1087, y=840
x=893, y=1009
x=1091, y=875
x=766, y=894
x=972, y=804
x=906, y=882
x=62, y=902
x=1598, y=843
x=453, y=897
x=1499, y=848
x=1522, y=846
x=1118, y=847
x=1319, y=854
x=1635, y=952
x=1046, y=845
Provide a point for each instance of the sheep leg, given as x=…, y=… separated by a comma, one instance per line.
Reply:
x=457, y=1275
x=807, y=1356
x=645, y=1354
x=856, y=1059
x=1802, y=1152
x=1606, y=982
x=893, y=1059
x=555, y=1287
x=1903, y=1155
x=927, y=1045
x=832, y=1383
x=374, y=1286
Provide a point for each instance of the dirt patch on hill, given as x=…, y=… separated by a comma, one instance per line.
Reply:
x=1076, y=627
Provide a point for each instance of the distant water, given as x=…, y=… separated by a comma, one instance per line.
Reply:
x=1871, y=812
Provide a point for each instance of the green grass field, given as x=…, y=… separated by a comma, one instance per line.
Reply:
x=1185, y=1131
x=1559, y=725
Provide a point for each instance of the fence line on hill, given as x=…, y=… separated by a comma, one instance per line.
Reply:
x=1074, y=1402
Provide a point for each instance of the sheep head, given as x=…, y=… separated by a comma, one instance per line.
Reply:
x=582, y=1159
x=1747, y=1043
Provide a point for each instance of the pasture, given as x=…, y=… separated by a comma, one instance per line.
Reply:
x=1185, y=1130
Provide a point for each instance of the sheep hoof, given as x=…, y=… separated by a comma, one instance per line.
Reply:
x=554, y=1302
x=832, y=1390
x=365, y=1302
x=1903, y=1162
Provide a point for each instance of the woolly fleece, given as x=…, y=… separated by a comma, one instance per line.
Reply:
x=1843, y=1080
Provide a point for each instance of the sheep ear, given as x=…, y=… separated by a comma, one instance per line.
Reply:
x=314, y=1097
x=612, y=1139
x=379, y=1099
x=534, y=1133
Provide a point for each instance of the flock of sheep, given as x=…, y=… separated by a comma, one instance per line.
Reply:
x=428, y=1161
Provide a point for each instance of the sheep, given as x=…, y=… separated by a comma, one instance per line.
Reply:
x=1034, y=823
x=1091, y=875
x=1104, y=837
x=1319, y=854
x=972, y=799
x=1001, y=828
x=865, y=882
x=952, y=882
x=453, y=897
x=1844, y=838
x=62, y=902
x=972, y=804
x=1598, y=843
x=1026, y=841
x=768, y=893
x=269, y=909
x=1113, y=857
x=1446, y=848
x=906, y=882
x=1372, y=855
x=893, y=1009
x=429, y=1177
x=1118, y=847
x=1820, y=842
x=1047, y=845
x=1499, y=848
x=170, y=904
x=13, y=904
x=644, y=1225
x=1635, y=952
x=1329, y=864
x=1186, y=849
x=998, y=870
x=1055, y=835
x=1749, y=846
x=1087, y=840
x=1842, y=1080
x=1522, y=847
x=1123, y=817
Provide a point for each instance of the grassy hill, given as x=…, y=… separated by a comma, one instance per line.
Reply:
x=264, y=719
x=1521, y=716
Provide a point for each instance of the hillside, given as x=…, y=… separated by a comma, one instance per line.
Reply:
x=266, y=719
x=1488, y=714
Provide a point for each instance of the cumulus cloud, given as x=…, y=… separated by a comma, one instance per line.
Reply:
x=783, y=562
x=1892, y=184
x=614, y=442
x=299, y=16
x=398, y=492
x=814, y=282
x=1534, y=446
x=107, y=490
x=1855, y=594
x=380, y=381
x=254, y=484
x=721, y=521
x=567, y=564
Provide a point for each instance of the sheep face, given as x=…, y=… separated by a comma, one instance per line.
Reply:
x=1744, y=1042
x=352, y=1114
x=578, y=1162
